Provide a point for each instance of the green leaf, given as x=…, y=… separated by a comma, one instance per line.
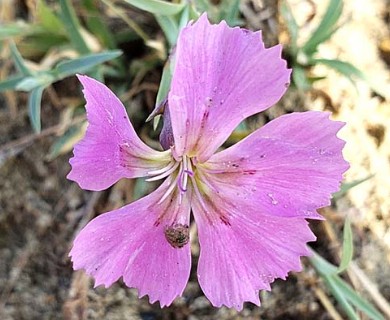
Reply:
x=291, y=23
x=84, y=63
x=185, y=16
x=338, y=294
x=229, y=10
x=157, y=6
x=37, y=44
x=345, y=68
x=165, y=83
x=162, y=94
x=299, y=77
x=130, y=22
x=73, y=27
x=156, y=121
x=202, y=5
x=194, y=13
x=347, y=253
x=350, y=71
x=323, y=267
x=315, y=79
x=362, y=304
x=16, y=29
x=18, y=60
x=42, y=79
x=97, y=26
x=47, y=18
x=326, y=27
x=345, y=187
x=169, y=26
x=34, y=108
x=10, y=83
x=344, y=293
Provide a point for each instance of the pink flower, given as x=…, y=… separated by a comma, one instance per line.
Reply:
x=250, y=202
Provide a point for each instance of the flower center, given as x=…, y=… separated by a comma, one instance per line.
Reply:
x=177, y=173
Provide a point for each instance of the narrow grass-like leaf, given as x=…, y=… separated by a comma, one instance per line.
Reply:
x=323, y=267
x=229, y=10
x=47, y=18
x=291, y=23
x=345, y=68
x=16, y=29
x=165, y=83
x=345, y=187
x=12, y=30
x=98, y=27
x=96, y=24
x=326, y=27
x=162, y=94
x=18, y=60
x=84, y=63
x=157, y=6
x=350, y=71
x=360, y=303
x=184, y=17
x=42, y=79
x=169, y=26
x=73, y=27
x=338, y=294
x=194, y=13
x=315, y=79
x=203, y=5
x=343, y=292
x=11, y=83
x=156, y=121
x=132, y=24
x=34, y=108
x=347, y=252
x=299, y=77
x=39, y=43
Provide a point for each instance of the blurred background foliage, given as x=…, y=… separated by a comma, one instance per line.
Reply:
x=105, y=40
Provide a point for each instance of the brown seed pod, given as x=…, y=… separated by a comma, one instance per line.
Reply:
x=177, y=235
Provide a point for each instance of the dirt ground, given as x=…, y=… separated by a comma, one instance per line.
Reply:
x=41, y=211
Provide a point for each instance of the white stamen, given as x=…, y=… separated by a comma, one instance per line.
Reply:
x=170, y=189
x=168, y=170
x=179, y=179
x=185, y=175
x=162, y=170
x=189, y=169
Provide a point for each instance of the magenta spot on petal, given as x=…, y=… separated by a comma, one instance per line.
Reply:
x=225, y=220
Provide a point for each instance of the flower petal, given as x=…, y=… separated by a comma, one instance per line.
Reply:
x=111, y=149
x=290, y=167
x=241, y=256
x=222, y=75
x=252, y=200
x=132, y=242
